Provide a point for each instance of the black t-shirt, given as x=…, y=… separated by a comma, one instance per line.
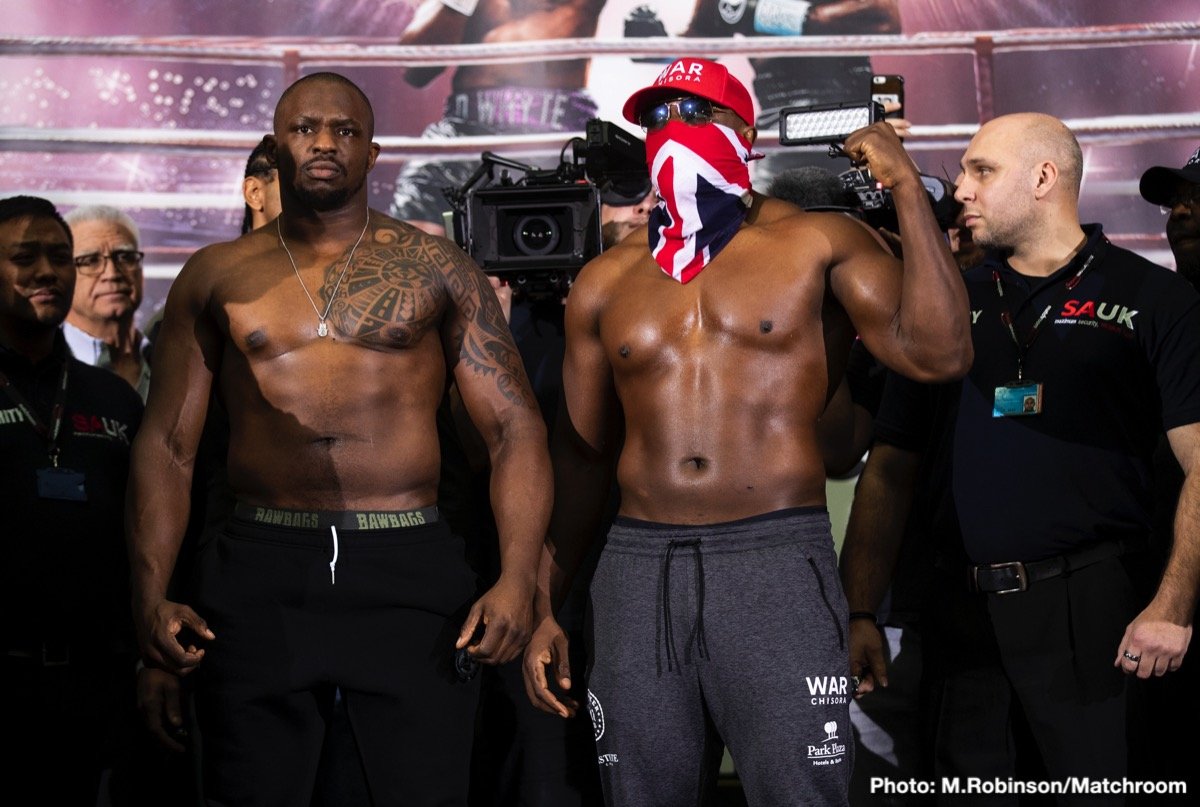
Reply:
x=65, y=573
x=1119, y=359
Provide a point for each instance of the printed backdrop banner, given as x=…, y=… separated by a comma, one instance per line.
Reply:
x=149, y=105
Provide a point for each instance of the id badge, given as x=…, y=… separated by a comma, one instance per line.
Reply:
x=1019, y=399
x=61, y=483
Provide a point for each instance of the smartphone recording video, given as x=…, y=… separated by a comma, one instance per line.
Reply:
x=888, y=90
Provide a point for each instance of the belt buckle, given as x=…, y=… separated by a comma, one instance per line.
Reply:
x=56, y=654
x=1017, y=566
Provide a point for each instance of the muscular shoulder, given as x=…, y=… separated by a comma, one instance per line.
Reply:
x=599, y=281
x=785, y=234
x=204, y=269
x=405, y=250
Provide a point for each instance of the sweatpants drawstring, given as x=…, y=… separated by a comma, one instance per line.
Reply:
x=333, y=563
x=665, y=587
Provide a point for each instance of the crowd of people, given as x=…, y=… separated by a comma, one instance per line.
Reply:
x=392, y=535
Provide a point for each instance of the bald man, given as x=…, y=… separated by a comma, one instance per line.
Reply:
x=331, y=336
x=1084, y=354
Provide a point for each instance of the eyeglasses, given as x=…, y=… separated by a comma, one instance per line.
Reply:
x=123, y=259
x=691, y=110
x=1187, y=195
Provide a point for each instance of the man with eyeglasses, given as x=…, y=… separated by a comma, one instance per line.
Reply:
x=100, y=328
x=703, y=351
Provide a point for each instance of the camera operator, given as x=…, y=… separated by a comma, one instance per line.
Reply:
x=625, y=208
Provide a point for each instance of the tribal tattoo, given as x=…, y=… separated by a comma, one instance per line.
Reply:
x=397, y=291
x=392, y=295
x=485, y=342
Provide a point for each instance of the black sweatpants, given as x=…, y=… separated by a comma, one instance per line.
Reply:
x=730, y=632
x=287, y=634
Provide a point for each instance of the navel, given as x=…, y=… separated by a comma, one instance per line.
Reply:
x=696, y=463
x=624, y=351
x=766, y=326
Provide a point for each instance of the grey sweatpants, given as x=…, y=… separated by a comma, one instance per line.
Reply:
x=731, y=632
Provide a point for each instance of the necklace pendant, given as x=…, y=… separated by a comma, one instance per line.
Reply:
x=322, y=329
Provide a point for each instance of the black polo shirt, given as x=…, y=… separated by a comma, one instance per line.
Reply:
x=65, y=574
x=1119, y=358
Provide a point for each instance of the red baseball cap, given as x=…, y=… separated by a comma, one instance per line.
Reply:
x=700, y=77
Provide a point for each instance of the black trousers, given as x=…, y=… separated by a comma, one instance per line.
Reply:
x=1046, y=656
x=288, y=634
x=63, y=725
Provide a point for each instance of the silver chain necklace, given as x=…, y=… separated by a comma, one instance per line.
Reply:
x=322, y=328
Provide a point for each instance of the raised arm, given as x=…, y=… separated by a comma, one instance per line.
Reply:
x=163, y=455
x=501, y=404
x=916, y=321
x=584, y=451
x=1159, y=636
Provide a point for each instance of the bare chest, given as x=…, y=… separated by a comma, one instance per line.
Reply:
x=756, y=309
x=385, y=300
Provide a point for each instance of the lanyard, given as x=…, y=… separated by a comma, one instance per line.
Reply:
x=49, y=433
x=1006, y=316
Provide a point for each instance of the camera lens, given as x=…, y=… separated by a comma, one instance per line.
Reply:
x=536, y=234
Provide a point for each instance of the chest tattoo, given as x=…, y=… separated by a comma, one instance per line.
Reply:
x=392, y=294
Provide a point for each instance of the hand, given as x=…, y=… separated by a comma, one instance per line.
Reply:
x=548, y=648
x=1156, y=645
x=853, y=17
x=161, y=707
x=161, y=630
x=504, y=615
x=879, y=147
x=867, y=660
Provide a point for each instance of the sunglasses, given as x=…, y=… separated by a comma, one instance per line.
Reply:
x=691, y=110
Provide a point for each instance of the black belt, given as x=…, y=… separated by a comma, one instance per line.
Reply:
x=1014, y=576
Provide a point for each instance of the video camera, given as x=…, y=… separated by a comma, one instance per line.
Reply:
x=538, y=231
x=831, y=124
x=877, y=206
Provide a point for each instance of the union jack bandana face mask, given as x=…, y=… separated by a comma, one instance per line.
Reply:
x=703, y=184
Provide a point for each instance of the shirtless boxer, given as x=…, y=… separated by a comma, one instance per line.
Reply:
x=329, y=338
x=707, y=359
